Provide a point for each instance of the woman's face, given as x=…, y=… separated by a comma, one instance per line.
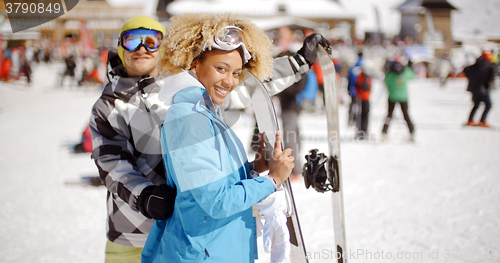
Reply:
x=219, y=72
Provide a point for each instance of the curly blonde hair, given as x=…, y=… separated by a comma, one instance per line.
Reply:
x=187, y=34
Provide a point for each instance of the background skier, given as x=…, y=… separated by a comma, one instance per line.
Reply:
x=291, y=105
x=352, y=76
x=396, y=81
x=363, y=88
x=481, y=77
x=69, y=61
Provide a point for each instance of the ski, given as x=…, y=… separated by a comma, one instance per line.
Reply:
x=267, y=123
x=85, y=181
x=324, y=173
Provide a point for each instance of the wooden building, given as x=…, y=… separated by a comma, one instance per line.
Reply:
x=427, y=22
x=329, y=14
x=102, y=21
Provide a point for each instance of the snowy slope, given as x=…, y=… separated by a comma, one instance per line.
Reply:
x=437, y=196
x=475, y=19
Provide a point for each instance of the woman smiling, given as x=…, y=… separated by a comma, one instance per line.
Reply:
x=206, y=57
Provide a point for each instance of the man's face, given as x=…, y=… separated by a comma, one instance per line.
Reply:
x=141, y=62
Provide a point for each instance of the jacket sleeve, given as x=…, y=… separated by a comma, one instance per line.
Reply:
x=410, y=74
x=113, y=154
x=206, y=166
x=388, y=79
x=467, y=71
x=286, y=71
x=493, y=72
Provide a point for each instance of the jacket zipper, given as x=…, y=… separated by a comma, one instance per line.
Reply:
x=142, y=84
x=144, y=96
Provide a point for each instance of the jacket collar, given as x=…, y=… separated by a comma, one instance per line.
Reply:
x=125, y=88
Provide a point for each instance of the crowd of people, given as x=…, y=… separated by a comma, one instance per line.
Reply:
x=399, y=71
x=18, y=63
x=15, y=63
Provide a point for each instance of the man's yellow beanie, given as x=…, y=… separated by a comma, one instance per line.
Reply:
x=139, y=22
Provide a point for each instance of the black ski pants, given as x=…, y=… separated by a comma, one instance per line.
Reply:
x=404, y=108
x=363, y=123
x=477, y=101
x=353, y=110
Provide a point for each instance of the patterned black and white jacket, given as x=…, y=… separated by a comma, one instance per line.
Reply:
x=125, y=124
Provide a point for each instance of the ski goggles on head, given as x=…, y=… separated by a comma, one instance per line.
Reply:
x=133, y=39
x=229, y=39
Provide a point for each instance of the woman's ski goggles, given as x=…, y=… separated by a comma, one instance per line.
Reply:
x=229, y=39
x=132, y=40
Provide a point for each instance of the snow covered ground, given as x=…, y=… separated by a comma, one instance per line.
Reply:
x=435, y=200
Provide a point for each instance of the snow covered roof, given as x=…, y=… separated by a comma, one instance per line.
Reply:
x=263, y=8
x=410, y=6
x=277, y=22
x=437, y=4
x=414, y=6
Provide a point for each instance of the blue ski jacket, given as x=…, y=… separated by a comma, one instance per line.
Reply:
x=206, y=162
x=352, y=76
x=310, y=89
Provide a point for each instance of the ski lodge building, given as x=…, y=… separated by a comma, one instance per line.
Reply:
x=426, y=22
x=102, y=21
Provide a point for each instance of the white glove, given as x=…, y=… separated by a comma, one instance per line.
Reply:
x=276, y=236
x=258, y=218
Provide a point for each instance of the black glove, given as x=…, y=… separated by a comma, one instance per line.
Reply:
x=157, y=202
x=309, y=50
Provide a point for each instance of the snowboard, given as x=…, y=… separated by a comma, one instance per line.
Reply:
x=267, y=123
x=334, y=169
